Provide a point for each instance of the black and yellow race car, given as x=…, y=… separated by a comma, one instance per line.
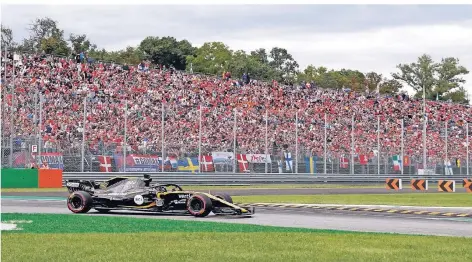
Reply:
x=137, y=194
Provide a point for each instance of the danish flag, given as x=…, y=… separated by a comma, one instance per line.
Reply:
x=243, y=163
x=105, y=163
x=344, y=162
x=206, y=164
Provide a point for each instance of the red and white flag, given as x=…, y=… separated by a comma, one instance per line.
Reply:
x=344, y=162
x=206, y=164
x=105, y=163
x=363, y=159
x=243, y=163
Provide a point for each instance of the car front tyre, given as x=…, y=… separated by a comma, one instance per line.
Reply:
x=199, y=205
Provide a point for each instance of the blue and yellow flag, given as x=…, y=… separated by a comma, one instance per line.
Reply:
x=310, y=164
x=188, y=164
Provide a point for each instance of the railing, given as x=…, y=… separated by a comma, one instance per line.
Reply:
x=261, y=178
x=186, y=129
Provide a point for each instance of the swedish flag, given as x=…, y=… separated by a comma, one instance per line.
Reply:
x=310, y=164
x=188, y=164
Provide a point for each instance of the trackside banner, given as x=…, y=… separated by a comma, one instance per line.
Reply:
x=137, y=163
x=222, y=157
x=54, y=160
x=228, y=157
x=258, y=158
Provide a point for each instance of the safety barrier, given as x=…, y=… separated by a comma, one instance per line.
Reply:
x=467, y=184
x=419, y=184
x=248, y=179
x=447, y=186
x=31, y=178
x=394, y=183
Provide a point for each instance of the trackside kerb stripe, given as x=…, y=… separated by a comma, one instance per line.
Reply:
x=397, y=211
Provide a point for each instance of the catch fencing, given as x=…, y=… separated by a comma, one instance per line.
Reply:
x=83, y=127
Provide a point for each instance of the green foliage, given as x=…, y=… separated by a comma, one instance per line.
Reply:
x=55, y=46
x=211, y=58
x=442, y=80
x=167, y=51
x=80, y=43
x=7, y=37
x=45, y=36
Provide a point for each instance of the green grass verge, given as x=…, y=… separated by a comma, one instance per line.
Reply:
x=75, y=223
x=130, y=239
x=414, y=199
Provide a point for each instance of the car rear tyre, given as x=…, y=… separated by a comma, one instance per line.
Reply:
x=225, y=197
x=199, y=205
x=79, y=202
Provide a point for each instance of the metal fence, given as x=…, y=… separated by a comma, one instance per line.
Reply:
x=332, y=139
x=83, y=126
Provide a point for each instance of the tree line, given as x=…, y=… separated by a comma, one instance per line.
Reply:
x=442, y=80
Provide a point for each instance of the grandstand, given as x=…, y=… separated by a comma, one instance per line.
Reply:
x=161, y=108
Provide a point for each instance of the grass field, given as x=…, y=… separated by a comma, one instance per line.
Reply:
x=264, y=186
x=75, y=238
x=415, y=199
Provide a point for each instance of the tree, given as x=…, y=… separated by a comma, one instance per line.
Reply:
x=449, y=81
x=7, y=37
x=390, y=86
x=373, y=81
x=45, y=36
x=54, y=46
x=167, y=51
x=260, y=55
x=80, y=43
x=438, y=79
x=211, y=58
x=284, y=64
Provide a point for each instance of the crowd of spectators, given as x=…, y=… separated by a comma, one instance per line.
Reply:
x=142, y=91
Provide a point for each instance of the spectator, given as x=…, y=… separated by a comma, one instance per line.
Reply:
x=65, y=83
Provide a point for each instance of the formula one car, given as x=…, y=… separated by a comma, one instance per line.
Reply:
x=131, y=193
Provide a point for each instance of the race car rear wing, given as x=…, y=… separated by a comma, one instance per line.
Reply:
x=81, y=185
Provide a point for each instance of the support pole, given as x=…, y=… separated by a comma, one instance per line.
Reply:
x=83, y=136
x=162, y=136
x=296, y=142
x=200, y=139
x=424, y=130
x=402, y=145
x=266, y=138
x=445, y=133
x=234, y=143
x=325, y=144
x=40, y=128
x=352, y=145
x=378, y=145
x=11, y=113
x=125, y=141
x=467, y=151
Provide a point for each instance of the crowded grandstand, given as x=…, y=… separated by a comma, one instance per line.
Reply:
x=182, y=115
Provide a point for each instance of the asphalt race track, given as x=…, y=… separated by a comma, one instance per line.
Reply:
x=267, y=191
x=321, y=219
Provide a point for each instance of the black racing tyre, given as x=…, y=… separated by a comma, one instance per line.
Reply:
x=225, y=197
x=79, y=202
x=199, y=205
